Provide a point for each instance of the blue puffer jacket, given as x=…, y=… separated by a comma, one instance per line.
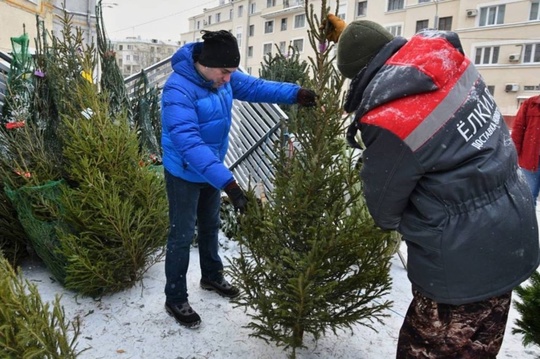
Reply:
x=196, y=118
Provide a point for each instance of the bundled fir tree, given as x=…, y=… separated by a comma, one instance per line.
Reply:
x=30, y=328
x=529, y=309
x=93, y=210
x=311, y=259
x=34, y=151
x=23, y=148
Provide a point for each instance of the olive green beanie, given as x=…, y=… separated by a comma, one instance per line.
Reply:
x=359, y=42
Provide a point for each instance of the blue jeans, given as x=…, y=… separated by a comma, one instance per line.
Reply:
x=533, y=178
x=191, y=204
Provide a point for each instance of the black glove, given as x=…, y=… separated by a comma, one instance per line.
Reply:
x=306, y=97
x=237, y=196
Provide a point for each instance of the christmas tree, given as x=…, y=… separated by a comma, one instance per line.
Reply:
x=529, y=309
x=311, y=258
x=29, y=327
x=115, y=207
x=77, y=174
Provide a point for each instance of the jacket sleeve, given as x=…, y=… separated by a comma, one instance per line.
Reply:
x=180, y=121
x=390, y=173
x=252, y=89
x=519, y=126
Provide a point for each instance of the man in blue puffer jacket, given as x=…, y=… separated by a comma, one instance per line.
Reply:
x=440, y=168
x=196, y=119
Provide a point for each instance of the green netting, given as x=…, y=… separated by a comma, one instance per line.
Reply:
x=37, y=208
x=21, y=57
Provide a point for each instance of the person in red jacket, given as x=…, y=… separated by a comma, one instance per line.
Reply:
x=526, y=137
x=439, y=167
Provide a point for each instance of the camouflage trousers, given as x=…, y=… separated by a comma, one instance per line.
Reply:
x=469, y=331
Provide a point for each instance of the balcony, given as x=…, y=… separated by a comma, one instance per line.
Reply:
x=286, y=8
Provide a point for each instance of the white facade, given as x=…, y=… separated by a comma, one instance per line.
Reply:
x=134, y=54
x=501, y=36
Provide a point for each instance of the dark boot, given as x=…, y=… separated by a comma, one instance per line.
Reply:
x=221, y=287
x=184, y=314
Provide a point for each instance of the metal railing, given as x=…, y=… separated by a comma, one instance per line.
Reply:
x=5, y=65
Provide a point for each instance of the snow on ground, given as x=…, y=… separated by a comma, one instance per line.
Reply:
x=133, y=324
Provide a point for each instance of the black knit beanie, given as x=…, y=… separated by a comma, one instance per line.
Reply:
x=220, y=49
x=358, y=43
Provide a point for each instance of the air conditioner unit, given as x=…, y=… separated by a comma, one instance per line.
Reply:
x=514, y=57
x=472, y=12
x=511, y=87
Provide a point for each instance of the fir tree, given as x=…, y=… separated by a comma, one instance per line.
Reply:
x=111, y=79
x=94, y=212
x=312, y=259
x=115, y=208
x=30, y=328
x=529, y=309
x=147, y=118
x=143, y=112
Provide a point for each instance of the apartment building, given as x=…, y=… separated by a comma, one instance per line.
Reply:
x=134, y=54
x=20, y=16
x=502, y=37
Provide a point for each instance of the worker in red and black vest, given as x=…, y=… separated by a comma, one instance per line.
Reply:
x=440, y=168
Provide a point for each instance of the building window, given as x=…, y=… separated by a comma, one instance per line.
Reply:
x=531, y=53
x=120, y=47
x=361, y=7
x=239, y=37
x=218, y=17
x=535, y=12
x=284, y=24
x=422, y=24
x=298, y=45
x=486, y=55
x=240, y=10
x=282, y=46
x=492, y=15
x=251, y=30
x=198, y=26
x=270, y=3
x=130, y=47
x=209, y=19
x=128, y=57
x=395, y=5
x=342, y=11
x=267, y=49
x=252, y=8
x=445, y=23
x=531, y=87
x=249, y=69
x=299, y=21
x=250, y=51
x=231, y=14
x=269, y=27
x=395, y=30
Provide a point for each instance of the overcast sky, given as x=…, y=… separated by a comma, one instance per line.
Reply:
x=150, y=19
